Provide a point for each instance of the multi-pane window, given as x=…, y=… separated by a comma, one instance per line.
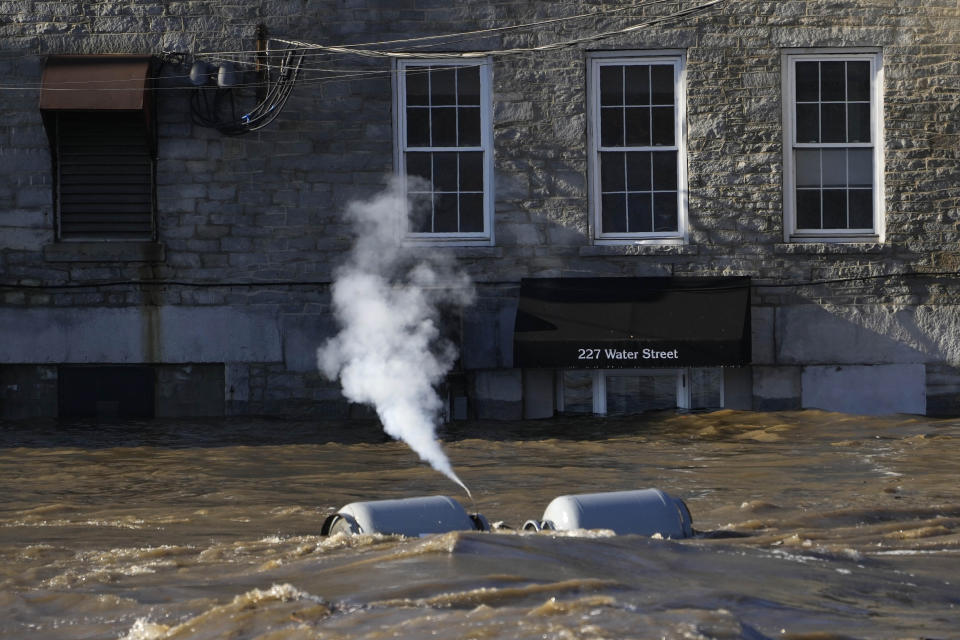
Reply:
x=444, y=148
x=638, y=177
x=833, y=168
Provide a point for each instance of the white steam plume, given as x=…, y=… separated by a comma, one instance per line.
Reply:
x=389, y=353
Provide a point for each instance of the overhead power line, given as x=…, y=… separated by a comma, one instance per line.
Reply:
x=949, y=277
x=381, y=53
x=306, y=50
x=459, y=36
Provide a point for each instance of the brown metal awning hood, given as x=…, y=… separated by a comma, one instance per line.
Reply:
x=94, y=83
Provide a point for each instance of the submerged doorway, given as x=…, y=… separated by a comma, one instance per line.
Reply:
x=625, y=391
x=105, y=391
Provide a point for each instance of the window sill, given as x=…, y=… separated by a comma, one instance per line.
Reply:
x=833, y=247
x=446, y=240
x=639, y=250
x=93, y=251
x=469, y=252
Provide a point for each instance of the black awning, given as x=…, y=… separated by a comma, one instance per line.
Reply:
x=609, y=323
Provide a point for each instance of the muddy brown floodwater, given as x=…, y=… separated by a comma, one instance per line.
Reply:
x=813, y=525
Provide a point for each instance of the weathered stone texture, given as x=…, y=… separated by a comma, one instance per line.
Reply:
x=267, y=207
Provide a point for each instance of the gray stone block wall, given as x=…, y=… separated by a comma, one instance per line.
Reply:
x=264, y=211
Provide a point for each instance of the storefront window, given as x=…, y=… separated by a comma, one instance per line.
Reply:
x=628, y=391
x=706, y=388
x=635, y=393
x=576, y=391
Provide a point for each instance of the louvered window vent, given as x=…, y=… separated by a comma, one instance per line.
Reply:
x=105, y=176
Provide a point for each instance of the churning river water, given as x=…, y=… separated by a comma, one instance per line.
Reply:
x=811, y=525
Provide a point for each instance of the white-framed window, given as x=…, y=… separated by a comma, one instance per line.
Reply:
x=637, y=158
x=444, y=149
x=833, y=133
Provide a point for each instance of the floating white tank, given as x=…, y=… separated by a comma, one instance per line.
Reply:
x=642, y=511
x=408, y=517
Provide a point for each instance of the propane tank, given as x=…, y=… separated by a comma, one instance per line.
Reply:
x=410, y=517
x=642, y=511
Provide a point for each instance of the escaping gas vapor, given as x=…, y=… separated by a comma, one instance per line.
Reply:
x=389, y=352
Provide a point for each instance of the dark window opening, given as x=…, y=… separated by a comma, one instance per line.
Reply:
x=104, y=176
x=98, y=112
x=116, y=391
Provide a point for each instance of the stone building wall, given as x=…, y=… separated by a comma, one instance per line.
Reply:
x=250, y=228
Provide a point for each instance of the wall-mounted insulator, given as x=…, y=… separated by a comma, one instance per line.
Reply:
x=200, y=73
x=227, y=75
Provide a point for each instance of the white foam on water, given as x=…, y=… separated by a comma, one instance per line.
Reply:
x=248, y=615
x=389, y=353
x=144, y=629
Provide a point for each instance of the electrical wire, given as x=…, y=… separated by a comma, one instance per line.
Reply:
x=207, y=109
x=314, y=50
x=302, y=49
x=310, y=49
x=207, y=112
x=435, y=40
x=951, y=275
x=377, y=53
